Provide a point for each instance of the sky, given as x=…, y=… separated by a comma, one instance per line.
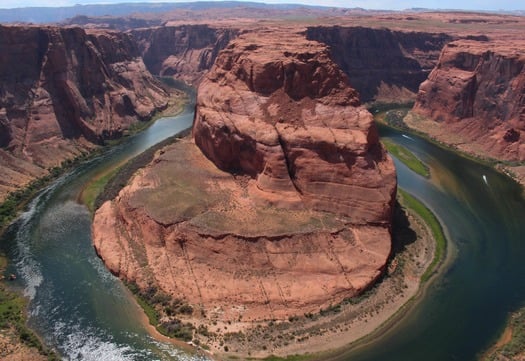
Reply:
x=494, y=5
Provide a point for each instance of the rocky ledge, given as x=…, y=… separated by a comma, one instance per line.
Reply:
x=280, y=207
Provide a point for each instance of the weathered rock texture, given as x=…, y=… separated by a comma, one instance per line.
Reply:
x=62, y=90
x=382, y=64
x=476, y=98
x=297, y=218
x=183, y=52
x=285, y=115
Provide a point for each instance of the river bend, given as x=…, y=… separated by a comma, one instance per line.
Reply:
x=79, y=308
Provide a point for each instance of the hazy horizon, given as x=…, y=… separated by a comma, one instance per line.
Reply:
x=472, y=5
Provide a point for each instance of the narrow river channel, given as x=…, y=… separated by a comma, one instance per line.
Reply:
x=79, y=308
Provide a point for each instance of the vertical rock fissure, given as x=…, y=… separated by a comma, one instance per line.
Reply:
x=276, y=281
x=192, y=273
x=332, y=254
x=291, y=172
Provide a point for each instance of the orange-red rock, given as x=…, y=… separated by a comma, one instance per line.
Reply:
x=63, y=90
x=476, y=97
x=276, y=107
x=297, y=217
x=382, y=64
x=183, y=52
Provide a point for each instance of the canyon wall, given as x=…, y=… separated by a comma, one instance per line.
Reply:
x=382, y=64
x=475, y=99
x=62, y=90
x=183, y=52
x=287, y=206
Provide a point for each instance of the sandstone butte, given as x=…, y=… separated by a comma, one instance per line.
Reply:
x=280, y=206
x=474, y=99
x=63, y=90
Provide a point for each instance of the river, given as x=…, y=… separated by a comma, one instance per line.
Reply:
x=84, y=312
x=467, y=306
x=76, y=305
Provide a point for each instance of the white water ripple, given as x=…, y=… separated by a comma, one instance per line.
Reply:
x=27, y=266
x=89, y=344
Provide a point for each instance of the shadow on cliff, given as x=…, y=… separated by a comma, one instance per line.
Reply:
x=402, y=234
x=371, y=57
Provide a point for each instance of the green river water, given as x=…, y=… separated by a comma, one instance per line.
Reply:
x=84, y=312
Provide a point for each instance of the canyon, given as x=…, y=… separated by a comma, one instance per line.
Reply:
x=183, y=52
x=300, y=177
x=474, y=100
x=382, y=64
x=62, y=92
x=286, y=209
x=385, y=56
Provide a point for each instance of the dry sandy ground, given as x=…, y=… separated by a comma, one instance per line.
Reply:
x=11, y=349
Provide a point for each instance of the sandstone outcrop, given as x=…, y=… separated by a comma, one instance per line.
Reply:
x=183, y=52
x=289, y=213
x=475, y=99
x=62, y=90
x=382, y=64
x=285, y=115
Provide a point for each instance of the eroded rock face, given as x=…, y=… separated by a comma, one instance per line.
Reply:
x=183, y=52
x=289, y=213
x=62, y=90
x=282, y=112
x=476, y=98
x=382, y=64
x=196, y=233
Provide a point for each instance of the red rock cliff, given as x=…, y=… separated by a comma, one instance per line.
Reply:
x=476, y=98
x=184, y=52
x=61, y=91
x=281, y=111
x=382, y=64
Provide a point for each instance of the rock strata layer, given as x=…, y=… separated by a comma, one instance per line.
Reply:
x=62, y=90
x=382, y=64
x=475, y=99
x=183, y=52
x=285, y=115
x=281, y=207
